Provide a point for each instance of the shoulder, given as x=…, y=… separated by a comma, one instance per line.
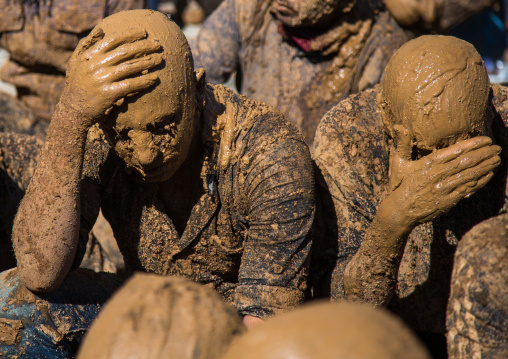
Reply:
x=355, y=121
x=240, y=125
x=18, y=156
x=350, y=154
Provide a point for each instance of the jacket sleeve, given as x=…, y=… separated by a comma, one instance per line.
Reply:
x=277, y=184
x=217, y=45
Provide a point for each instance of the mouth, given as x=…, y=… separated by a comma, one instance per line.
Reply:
x=283, y=8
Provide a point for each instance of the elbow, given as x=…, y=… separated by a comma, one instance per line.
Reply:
x=38, y=279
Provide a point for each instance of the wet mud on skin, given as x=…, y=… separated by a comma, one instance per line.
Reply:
x=339, y=330
x=151, y=316
x=353, y=159
x=242, y=228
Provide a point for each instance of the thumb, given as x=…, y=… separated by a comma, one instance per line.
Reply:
x=85, y=43
x=402, y=142
x=400, y=156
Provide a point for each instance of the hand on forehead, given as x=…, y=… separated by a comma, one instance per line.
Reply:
x=438, y=89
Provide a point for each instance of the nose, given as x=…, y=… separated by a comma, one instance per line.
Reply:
x=146, y=153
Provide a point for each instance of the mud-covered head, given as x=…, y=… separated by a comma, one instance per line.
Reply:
x=152, y=131
x=437, y=90
x=156, y=317
x=341, y=330
x=309, y=13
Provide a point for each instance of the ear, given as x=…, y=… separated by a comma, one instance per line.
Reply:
x=200, y=79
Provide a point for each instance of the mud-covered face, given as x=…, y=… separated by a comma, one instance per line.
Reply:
x=437, y=89
x=153, y=140
x=452, y=116
x=295, y=13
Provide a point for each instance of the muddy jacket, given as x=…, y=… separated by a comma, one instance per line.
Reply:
x=40, y=40
x=18, y=157
x=243, y=36
x=246, y=236
x=477, y=314
x=353, y=161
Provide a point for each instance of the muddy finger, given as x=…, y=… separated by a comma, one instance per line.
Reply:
x=110, y=43
x=129, y=51
x=469, y=189
x=470, y=176
x=472, y=159
x=132, y=86
x=452, y=152
x=136, y=67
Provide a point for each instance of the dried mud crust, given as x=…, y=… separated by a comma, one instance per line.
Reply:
x=18, y=157
x=353, y=161
x=243, y=36
x=246, y=235
x=478, y=306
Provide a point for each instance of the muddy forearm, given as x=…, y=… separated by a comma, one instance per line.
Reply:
x=371, y=274
x=46, y=227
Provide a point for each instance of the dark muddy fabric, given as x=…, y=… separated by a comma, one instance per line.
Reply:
x=247, y=235
x=18, y=156
x=353, y=176
x=16, y=117
x=40, y=37
x=477, y=316
x=52, y=325
x=243, y=36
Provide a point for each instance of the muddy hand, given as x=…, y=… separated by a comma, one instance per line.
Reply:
x=434, y=184
x=104, y=70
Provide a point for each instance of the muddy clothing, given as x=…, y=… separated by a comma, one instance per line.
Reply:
x=40, y=37
x=302, y=73
x=353, y=160
x=16, y=117
x=477, y=316
x=50, y=325
x=247, y=235
x=18, y=156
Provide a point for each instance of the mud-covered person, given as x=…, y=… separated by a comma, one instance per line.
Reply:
x=409, y=167
x=194, y=179
x=300, y=56
x=435, y=15
x=40, y=36
x=478, y=306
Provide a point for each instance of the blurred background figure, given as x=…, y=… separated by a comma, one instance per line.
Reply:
x=156, y=317
x=186, y=12
x=40, y=36
x=328, y=331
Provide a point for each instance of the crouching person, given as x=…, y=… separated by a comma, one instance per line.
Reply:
x=195, y=180
x=411, y=166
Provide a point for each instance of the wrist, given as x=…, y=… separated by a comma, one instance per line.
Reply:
x=67, y=119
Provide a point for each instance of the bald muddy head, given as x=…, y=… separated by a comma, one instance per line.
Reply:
x=157, y=317
x=340, y=330
x=437, y=89
x=152, y=131
x=296, y=13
